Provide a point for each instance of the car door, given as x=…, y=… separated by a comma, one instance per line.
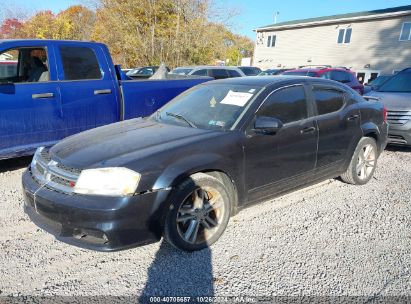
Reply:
x=281, y=161
x=338, y=120
x=30, y=104
x=88, y=90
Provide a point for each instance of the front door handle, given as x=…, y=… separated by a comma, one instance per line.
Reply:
x=42, y=95
x=353, y=117
x=100, y=92
x=308, y=130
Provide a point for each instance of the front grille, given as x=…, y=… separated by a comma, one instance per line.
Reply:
x=398, y=117
x=52, y=174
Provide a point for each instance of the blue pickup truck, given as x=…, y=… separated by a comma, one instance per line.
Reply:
x=50, y=89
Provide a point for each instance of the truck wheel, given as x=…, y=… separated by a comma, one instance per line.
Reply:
x=198, y=214
x=363, y=162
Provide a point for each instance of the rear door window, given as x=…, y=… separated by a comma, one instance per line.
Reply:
x=218, y=73
x=202, y=72
x=79, y=63
x=233, y=73
x=287, y=105
x=328, y=100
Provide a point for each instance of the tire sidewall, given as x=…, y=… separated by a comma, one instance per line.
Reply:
x=353, y=165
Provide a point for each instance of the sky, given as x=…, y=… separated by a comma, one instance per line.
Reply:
x=250, y=13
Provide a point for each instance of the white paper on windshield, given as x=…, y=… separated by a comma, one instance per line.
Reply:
x=236, y=98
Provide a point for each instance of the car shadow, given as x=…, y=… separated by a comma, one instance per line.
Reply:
x=395, y=148
x=14, y=163
x=175, y=273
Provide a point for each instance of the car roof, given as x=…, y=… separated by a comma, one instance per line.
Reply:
x=320, y=70
x=264, y=81
x=207, y=67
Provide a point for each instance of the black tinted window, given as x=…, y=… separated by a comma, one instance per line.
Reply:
x=328, y=100
x=233, y=73
x=340, y=76
x=250, y=71
x=287, y=105
x=200, y=73
x=218, y=73
x=79, y=63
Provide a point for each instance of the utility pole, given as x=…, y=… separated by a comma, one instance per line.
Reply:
x=275, y=17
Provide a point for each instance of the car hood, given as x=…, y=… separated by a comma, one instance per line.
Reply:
x=394, y=101
x=112, y=145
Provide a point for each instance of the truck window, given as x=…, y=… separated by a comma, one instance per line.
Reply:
x=26, y=64
x=79, y=63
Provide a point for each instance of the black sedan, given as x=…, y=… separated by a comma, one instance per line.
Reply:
x=213, y=150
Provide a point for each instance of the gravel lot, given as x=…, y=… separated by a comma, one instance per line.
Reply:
x=329, y=239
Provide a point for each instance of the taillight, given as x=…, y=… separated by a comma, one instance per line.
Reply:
x=384, y=112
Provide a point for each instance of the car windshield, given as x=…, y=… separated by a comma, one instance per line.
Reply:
x=379, y=80
x=181, y=71
x=209, y=106
x=398, y=83
x=301, y=73
x=250, y=71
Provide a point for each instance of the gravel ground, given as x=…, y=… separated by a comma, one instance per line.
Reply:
x=330, y=239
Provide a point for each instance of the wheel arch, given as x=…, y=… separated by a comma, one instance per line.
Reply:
x=371, y=130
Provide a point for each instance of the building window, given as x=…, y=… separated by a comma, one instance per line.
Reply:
x=344, y=35
x=405, y=31
x=271, y=41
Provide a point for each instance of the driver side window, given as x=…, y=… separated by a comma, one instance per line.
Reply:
x=22, y=65
x=287, y=105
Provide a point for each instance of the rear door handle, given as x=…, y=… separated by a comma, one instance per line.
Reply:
x=353, y=117
x=42, y=95
x=308, y=130
x=100, y=92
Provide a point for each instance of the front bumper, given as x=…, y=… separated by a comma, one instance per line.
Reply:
x=95, y=222
x=400, y=134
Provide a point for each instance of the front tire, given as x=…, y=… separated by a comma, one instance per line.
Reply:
x=363, y=162
x=198, y=214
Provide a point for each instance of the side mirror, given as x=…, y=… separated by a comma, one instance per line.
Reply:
x=267, y=125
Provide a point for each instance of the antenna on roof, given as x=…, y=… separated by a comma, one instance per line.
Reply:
x=275, y=17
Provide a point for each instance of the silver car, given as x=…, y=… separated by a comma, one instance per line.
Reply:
x=217, y=72
x=395, y=94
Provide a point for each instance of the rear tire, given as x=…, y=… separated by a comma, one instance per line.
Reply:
x=198, y=214
x=363, y=162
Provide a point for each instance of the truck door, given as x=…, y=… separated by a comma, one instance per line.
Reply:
x=30, y=105
x=88, y=90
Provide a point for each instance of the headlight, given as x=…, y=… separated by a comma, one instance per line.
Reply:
x=107, y=181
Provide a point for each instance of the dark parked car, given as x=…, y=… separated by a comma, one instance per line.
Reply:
x=210, y=152
x=249, y=70
x=342, y=75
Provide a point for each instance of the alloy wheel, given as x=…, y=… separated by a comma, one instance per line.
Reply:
x=200, y=215
x=366, y=162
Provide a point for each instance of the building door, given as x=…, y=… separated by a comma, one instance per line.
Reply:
x=365, y=76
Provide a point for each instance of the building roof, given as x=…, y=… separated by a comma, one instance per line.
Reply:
x=327, y=19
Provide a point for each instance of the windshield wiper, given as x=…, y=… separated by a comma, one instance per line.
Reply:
x=180, y=117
